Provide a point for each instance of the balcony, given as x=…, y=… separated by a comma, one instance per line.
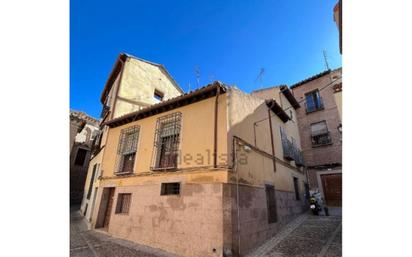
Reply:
x=314, y=106
x=288, y=150
x=291, y=151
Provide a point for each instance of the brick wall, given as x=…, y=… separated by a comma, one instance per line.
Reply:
x=323, y=154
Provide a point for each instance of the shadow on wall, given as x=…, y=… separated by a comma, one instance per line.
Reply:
x=253, y=172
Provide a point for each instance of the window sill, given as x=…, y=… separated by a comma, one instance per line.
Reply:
x=164, y=169
x=123, y=173
x=319, y=109
x=316, y=146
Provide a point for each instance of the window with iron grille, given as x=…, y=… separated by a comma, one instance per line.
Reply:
x=123, y=203
x=126, y=151
x=170, y=189
x=320, y=134
x=313, y=101
x=271, y=203
x=166, y=145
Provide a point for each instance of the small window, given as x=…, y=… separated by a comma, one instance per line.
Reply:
x=123, y=203
x=271, y=203
x=170, y=189
x=296, y=185
x=320, y=134
x=80, y=157
x=158, y=96
x=313, y=101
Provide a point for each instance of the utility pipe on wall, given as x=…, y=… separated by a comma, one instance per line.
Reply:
x=272, y=141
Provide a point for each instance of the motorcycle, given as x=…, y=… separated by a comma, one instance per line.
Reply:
x=314, y=205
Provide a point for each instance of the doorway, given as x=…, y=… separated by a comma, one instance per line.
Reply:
x=332, y=188
x=105, y=210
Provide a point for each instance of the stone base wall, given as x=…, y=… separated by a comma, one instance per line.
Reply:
x=254, y=226
x=189, y=224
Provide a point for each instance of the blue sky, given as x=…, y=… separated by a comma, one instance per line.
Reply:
x=229, y=41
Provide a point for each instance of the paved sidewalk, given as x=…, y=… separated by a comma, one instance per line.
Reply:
x=306, y=236
x=87, y=243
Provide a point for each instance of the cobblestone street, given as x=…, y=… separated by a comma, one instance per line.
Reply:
x=87, y=243
x=306, y=236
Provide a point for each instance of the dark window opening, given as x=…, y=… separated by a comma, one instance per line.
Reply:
x=80, y=157
x=158, y=95
x=296, y=186
x=271, y=203
x=320, y=134
x=313, y=101
x=123, y=203
x=167, y=138
x=127, y=149
x=170, y=189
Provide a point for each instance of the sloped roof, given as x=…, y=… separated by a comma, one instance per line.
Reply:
x=117, y=67
x=170, y=104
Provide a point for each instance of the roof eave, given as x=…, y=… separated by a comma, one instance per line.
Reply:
x=179, y=101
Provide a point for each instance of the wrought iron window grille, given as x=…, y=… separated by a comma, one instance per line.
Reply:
x=126, y=150
x=166, y=143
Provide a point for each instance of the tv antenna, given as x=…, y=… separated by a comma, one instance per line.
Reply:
x=325, y=58
x=260, y=76
x=197, y=75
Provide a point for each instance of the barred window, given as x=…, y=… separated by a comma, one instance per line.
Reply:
x=126, y=151
x=320, y=134
x=167, y=138
x=123, y=203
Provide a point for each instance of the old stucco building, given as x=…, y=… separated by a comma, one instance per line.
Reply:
x=195, y=174
x=133, y=84
x=83, y=130
x=320, y=126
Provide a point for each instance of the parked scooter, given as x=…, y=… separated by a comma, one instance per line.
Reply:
x=314, y=205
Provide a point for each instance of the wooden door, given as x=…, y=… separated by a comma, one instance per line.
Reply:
x=332, y=189
x=109, y=208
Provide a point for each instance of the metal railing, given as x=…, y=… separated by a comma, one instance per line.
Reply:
x=322, y=139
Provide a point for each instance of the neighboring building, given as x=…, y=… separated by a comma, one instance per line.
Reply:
x=83, y=130
x=209, y=173
x=337, y=17
x=320, y=127
x=133, y=84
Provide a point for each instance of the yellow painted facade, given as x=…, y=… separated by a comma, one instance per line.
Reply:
x=138, y=83
x=160, y=220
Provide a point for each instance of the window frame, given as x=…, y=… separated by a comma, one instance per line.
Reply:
x=122, y=153
x=158, y=95
x=171, y=123
x=120, y=206
x=327, y=134
x=317, y=101
x=164, y=189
